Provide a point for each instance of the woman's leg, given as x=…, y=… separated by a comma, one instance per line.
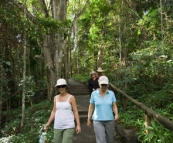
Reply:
x=110, y=130
x=99, y=130
x=58, y=134
x=68, y=135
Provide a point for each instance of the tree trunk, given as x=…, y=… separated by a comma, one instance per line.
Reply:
x=53, y=47
x=100, y=57
x=1, y=86
x=47, y=51
x=66, y=51
x=24, y=73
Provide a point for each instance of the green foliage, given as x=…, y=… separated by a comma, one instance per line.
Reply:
x=82, y=78
x=54, y=25
x=156, y=134
x=21, y=138
x=162, y=99
x=136, y=58
x=49, y=136
x=131, y=118
x=36, y=116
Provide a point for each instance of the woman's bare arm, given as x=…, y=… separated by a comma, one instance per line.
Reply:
x=76, y=114
x=115, y=109
x=90, y=112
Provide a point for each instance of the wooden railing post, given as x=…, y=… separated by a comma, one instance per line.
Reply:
x=147, y=121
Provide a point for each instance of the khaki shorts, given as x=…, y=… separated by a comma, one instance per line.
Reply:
x=63, y=135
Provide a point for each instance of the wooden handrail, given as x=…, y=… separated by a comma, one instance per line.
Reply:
x=151, y=113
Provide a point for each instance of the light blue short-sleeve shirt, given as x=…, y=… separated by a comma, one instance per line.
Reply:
x=103, y=106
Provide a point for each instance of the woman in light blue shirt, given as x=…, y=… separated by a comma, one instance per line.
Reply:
x=101, y=109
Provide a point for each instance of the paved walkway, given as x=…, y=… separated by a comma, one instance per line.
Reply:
x=81, y=100
x=87, y=134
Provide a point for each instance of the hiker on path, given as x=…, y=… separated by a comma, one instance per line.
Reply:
x=63, y=113
x=100, y=72
x=93, y=82
x=101, y=108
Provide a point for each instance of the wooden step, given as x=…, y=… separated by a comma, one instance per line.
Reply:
x=83, y=118
x=79, y=90
x=79, y=85
x=79, y=94
x=82, y=112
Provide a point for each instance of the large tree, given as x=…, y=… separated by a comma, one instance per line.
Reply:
x=49, y=18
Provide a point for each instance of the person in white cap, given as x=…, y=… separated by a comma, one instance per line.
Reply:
x=93, y=82
x=64, y=113
x=100, y=72
x=101, y=108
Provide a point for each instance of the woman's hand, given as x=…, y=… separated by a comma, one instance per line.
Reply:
x=46, y=127
x=88, y=122
x=78, y=129
x=116, y=117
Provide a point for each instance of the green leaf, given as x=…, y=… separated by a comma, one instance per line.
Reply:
x=8, y=63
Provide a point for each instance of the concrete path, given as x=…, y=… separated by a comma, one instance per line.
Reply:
x=87, y=134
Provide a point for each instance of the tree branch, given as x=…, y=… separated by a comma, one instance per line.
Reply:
x=45, y=10
x=21, y=7
x=82, y=11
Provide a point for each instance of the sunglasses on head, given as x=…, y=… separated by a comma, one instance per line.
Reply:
x=61, y=86
x=103, y=84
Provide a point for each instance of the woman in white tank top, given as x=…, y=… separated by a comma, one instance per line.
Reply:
x=64, y=113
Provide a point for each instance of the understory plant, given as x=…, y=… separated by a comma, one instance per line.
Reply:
x=36, y=116
x=156, y=134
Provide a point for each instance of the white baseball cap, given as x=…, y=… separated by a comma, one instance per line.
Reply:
x=61, y=81
x=103, y=80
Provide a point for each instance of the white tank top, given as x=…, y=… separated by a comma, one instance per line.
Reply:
x=64, y=117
